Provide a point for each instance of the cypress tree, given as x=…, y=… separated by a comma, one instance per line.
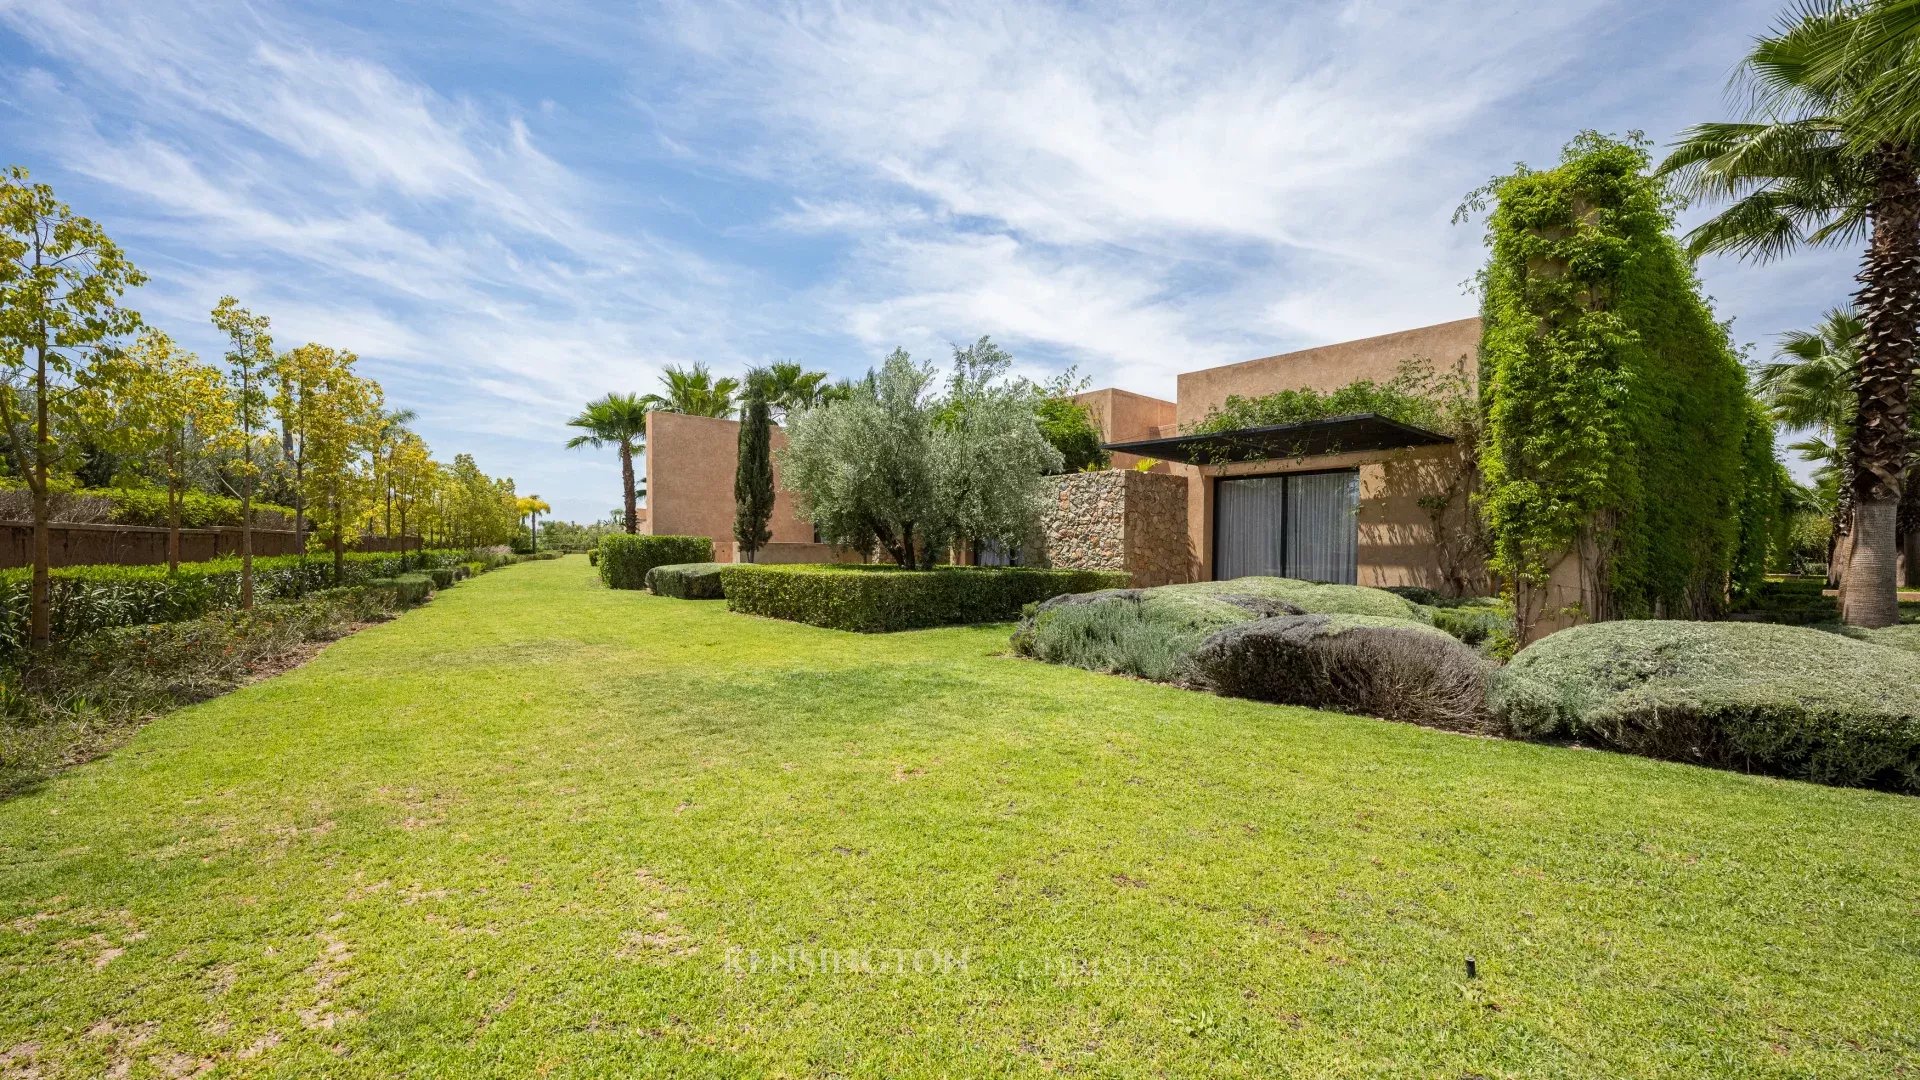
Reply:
x=753, y=475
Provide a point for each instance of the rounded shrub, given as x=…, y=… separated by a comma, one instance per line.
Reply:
x=1785, y=700
x=1142, y=632
x=1391, y=668
x=1309, y=597
x=1151, y=632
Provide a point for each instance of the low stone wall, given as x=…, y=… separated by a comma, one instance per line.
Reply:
x=1159, y=549
x=1118, y=519
x=140, y=545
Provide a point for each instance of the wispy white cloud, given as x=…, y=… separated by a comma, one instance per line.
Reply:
x=509, y=207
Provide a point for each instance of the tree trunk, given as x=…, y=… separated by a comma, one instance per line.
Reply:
x=174, y=497
x=1890, y=289
x=1873, y=560
x=40, y=604
x=339, y=541
x=626, y=483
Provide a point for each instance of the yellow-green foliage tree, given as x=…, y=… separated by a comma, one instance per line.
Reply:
x=61, y=280
x=338, y=416
x=249, y=366
x=158, y=404
x=531, y=507
x=413, y=474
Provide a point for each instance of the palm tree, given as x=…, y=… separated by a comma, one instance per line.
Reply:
x=1810, y=389
x=531, y=507
x=619, y=419
x=789, y=387
x=694, y=391
x=1797, y=174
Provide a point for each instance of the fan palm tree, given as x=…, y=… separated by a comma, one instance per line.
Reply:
x=1797, y=174
x=789, y=387
x=1809, y=388
x=619, y=420
x=695, y=392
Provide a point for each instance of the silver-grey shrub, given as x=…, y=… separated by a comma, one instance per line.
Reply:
x=1386, y=667
x=1786, y=700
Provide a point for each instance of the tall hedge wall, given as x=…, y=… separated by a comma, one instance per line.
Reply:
x=1617, y=409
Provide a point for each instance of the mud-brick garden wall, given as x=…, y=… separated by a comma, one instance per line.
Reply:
x=1119, y=519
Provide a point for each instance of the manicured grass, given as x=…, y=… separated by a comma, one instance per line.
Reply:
x=543, y=827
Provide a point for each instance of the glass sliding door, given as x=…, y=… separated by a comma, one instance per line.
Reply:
x=1248, y=528
x=1323, y=535
x=1303, y=525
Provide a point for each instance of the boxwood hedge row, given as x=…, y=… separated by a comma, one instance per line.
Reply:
x=687, y=581
x=625, y=558
x=87, y=599
x=879, y=599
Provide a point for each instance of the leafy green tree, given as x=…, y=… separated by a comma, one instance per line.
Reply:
x=910, y=471
x=1069, y=427
x=157, y=404
x=61, y=279
x=989, y=452
x=695, y=392
x=1817, y=164
x=249, y=365
x=412, y=473
x=753, y=470
x=619, y=420
x=340, y=422
x=393, y=428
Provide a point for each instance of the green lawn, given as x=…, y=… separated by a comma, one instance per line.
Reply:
x=541, y=827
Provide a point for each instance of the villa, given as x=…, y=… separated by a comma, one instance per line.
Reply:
x=1359, y=499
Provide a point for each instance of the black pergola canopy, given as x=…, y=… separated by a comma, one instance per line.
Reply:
x=1357, y=433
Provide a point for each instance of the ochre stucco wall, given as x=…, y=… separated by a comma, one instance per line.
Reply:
x=1396, y=533
x=690, y=462
x=1328, y=367
x=1123, y=416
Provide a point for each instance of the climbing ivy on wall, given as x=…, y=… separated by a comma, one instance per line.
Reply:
x=1419, y=394
x=1616, y=408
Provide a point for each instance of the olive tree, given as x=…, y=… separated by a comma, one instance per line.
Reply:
x=895, y=465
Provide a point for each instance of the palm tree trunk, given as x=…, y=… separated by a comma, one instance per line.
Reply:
x=626, y=484
x=1890, y=289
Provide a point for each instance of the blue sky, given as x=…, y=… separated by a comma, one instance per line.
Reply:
x=507, y=208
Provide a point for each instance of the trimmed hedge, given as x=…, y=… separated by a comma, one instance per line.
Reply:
x=1391, y=668
x=1785, y=700
x=406, y=590
x=687, y=581
x=625, y=558
x=880, y=599
x=442, y=576
x=88, y=599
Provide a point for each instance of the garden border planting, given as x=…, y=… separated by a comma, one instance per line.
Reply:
x=881, y=599
x=625, y=558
